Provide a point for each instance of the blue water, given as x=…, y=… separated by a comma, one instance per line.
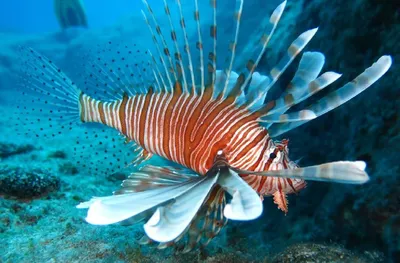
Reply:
x=31, y=17
x=41, y=181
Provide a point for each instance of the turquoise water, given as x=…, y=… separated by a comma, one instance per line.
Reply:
x=43, y=179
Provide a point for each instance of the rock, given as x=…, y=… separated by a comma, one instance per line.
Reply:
x=9, y=149
x=310, y=252
x=68, y=168
x=57, y=155
x=23, y=183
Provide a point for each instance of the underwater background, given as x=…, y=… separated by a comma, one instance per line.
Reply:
x=40, y=185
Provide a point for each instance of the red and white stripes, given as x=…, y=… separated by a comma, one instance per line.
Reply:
x=189, y=129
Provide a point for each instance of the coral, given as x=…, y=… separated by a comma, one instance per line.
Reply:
x=392, y=236
x=310, y=252
x=234, y=257
x=117, y=177
x=23, y=183
x=57, y=154
x=68, y=168
x=9, y=149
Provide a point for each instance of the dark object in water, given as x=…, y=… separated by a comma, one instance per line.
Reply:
x=8, y=149
x=70, y=13
x=23, y=183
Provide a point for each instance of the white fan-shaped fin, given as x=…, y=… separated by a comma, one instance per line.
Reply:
x=245, y=203
x=339, y=172
x=156, y=217
x=116, y=208
x=171, y=220
x=235, y=210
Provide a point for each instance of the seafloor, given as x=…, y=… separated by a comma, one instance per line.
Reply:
x=40, y=184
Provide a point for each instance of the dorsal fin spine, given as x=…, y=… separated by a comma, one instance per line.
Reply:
x=294, y=49
x=187, y=47
x=163, y=86
x=238, y=16
x=199, y=44
x=175, y=41
x=213, y=33
x=274, y=19
x=164, y=42
x=159, y=51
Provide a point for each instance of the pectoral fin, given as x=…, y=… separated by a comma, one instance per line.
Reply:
x=345, y=172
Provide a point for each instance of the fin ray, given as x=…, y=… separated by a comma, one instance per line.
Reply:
x=170, y=221
x=340, y=96
x=338, y=172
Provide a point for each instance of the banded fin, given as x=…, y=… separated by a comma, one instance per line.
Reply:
x=178, y=55
x=280, y=199
x=163, y=55
x=208, y=222
x=199, y=46
x=252, y=63
x=310, y=66
x=228, y=85
x=340, y=96
x=338, y=172
x=187, y=48
x=212, y=56
x=303, y=115
x=294, y=49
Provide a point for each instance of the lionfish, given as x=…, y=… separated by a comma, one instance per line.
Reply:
x=216, y=126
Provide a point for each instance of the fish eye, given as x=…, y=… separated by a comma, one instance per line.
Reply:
x=272, y=155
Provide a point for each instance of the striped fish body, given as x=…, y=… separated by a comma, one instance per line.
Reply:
x=191, y=129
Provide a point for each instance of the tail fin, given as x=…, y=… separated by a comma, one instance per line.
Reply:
x=50, y=100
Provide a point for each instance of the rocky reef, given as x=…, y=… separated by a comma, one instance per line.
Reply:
x=26, y=183
x=366, y=128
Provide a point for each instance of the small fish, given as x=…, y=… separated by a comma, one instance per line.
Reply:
x=215, y=125
x=70, y=13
